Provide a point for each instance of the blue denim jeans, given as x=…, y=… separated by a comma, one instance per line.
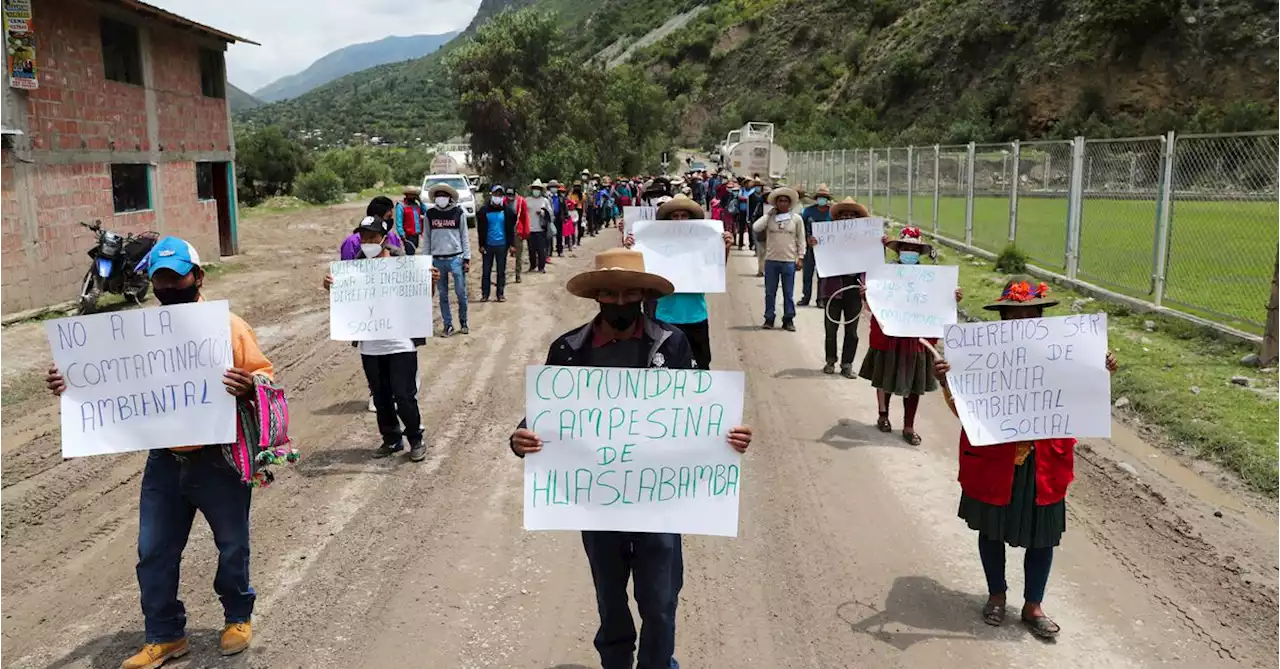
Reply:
x=174, y=487
x=451, y=269
x=657, y=565
x=775, y=271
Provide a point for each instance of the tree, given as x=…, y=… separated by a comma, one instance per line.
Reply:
x=267, y=163
x=319, y=186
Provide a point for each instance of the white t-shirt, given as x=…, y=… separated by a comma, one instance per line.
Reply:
x=386, y=346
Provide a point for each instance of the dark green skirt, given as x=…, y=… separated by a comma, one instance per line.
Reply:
x=1021, y=524
x=886, y=371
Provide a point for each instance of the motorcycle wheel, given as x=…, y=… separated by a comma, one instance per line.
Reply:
x=140, y=294
x=89, y=293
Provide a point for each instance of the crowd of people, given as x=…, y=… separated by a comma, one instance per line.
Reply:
x=1012, y=494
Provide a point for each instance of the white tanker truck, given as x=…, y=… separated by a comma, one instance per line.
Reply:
x=750, y=150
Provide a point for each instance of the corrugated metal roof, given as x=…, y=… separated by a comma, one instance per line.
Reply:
x=183, y=22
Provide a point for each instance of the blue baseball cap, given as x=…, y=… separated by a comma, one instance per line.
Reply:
x=172, y=253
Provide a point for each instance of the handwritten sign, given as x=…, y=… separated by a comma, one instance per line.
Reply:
x=632, y=214
x=380, y=298
x=1034, y=378
x=633, y=450
x=144, y=378
x=848, y=246
x=913, y=300
x=689, y=254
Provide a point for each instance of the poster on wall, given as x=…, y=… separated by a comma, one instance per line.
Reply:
x=20, y=40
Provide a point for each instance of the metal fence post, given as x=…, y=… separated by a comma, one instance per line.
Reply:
x=871, y=192
x=1013, y=194
x=968, y=196
x=1075, y=203
x=937, y=159
x=1165, y=216
x=910, y=184
x=844, y=173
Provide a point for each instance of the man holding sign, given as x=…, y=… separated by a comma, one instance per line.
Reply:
x=179, y=481
x=1014, y=491
x=621, y=336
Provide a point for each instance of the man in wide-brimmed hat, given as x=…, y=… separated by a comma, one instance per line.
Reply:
x=621, y=335
x=781, y=232
x=541, y=226
x=819, y=211
x=410, y=216
x=447, y=242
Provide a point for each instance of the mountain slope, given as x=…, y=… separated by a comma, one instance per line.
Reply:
x=862, y=72
x=240, y=100
x=353, y=58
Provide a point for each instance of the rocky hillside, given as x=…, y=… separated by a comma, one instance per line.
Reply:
x=853, y=72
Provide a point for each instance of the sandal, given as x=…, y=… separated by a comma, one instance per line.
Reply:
x=883, y=424
x=1042, y=627
x=993, y=613
x=912, y=438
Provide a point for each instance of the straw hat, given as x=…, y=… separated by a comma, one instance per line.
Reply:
x=784, y=191
x=618, y=270
x=442, y=188
x=537, y=183
x=553, y=184
x=412, y=190
x=1023, y=291
x=823, y=191
x=680, y=203
x=910, y=237
x=848, y=205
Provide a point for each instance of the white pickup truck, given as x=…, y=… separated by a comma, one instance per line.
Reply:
x=466, y=196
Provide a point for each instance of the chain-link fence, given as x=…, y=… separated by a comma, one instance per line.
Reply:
x=1186, y=222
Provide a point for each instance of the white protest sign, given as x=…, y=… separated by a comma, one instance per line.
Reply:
x=633, y=450
x=632, y=214
x=689, y=254
x=913, y=300
x=140, y=379
x=1033, y=378
x=848, y=246
x=380, y=298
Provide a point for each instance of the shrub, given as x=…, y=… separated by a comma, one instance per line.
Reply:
x=319, y=186
x=1011, y=260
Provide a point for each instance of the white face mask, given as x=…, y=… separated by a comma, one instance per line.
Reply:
x=442, y=201
x=535, y=193
x=371, y=250
x=498, y=200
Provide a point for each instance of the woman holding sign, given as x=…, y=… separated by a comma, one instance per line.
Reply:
x=1015, y=493
x=841, y=299
x=686, y=311
x=900, y=365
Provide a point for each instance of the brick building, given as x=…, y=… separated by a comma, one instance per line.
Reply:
x=129, y=125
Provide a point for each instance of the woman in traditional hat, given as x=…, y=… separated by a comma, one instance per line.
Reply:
x=687, y=311
x=841, y=298
x=781, y=234
x=1015, y=493
x=900, y=365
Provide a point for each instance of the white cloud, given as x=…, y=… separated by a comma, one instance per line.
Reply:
x=294, y=33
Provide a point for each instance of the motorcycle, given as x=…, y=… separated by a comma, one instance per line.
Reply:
x=117, y=267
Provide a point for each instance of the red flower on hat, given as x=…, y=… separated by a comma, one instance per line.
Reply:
x=1023, y=292
x=910, y=234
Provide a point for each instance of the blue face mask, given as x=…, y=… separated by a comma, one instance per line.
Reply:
x=909, y=257
x=822, y=201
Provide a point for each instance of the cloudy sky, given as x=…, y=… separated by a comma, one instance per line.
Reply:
x=294, y=33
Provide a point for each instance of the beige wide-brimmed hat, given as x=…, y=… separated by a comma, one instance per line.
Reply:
x=537, y=183
x=910, y=237
x=784, y=191
x=681, y=203
x=849, y=205
x=618, y=270
x=412, y=190
x=442, y=188
x=823, y=191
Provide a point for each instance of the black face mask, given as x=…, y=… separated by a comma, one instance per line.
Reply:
x=620, y=316
x=177, y=295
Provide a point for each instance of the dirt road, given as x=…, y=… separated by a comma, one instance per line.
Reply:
x=849, y=552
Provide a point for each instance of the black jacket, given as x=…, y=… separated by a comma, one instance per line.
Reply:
x=666, y=344
x=482, y=223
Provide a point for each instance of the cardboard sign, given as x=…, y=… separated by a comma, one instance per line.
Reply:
x=632, y=214
x=140, y=379
x=849, y=246
x=913, y=300
x=380, y=298
x=633, y=450
x=1034, y=378
x=689, y=254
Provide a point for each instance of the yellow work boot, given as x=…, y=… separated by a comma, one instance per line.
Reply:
x=236, y=637
x=153, y=655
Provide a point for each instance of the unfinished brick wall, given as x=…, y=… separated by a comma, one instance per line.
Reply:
x=78, y=119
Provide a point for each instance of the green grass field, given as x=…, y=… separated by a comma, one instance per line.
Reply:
x=1221, y=254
